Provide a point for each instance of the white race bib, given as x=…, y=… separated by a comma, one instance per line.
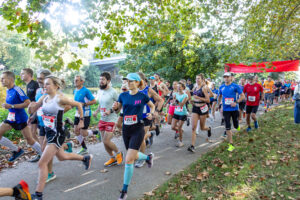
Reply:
x=130, y=119
x=267, y=90
x=204, y=108
x=102, y=111
x=229, y=101
x=11, y=116
x=39, y=112
x=178, y=109
x=49, y=121
x=86, y=113
x=77, y=114
x=251, y=98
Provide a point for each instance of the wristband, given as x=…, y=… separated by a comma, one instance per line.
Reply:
x=84, y=104
x=81, y=118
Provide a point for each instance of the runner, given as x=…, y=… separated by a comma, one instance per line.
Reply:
x=133, y=103
x=228, y=94
x=170, y=103
x=19, y=192
x=16, y=102
x=213, y=100
x=287, y=93
x=53, y=104
x=268, y=90
x=242, y=104
x=188, y=92
x=85, y=97
x=147, y=123
x=180, y=113
x=200, y=109
x=283, y=91
x=278, y=85
x=31, y=88
x=106, y=97
x=252, y=91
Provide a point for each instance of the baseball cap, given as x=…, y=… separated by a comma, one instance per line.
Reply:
x=152, y=78
x=132, y=77
x=227, y=74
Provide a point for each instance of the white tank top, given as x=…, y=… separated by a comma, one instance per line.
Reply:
x=52, y=113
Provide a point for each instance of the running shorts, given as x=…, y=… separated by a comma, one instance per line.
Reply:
x=180, y=117
x=16, y=126
x=228, y=115
x=42, y=131
x=171, y=110
x=106, y=126
x=198, y=110
x=57, y=138
x=251, y=109
x=86, y=122
x=147, y=122
x=242, y=105
x=133, y=135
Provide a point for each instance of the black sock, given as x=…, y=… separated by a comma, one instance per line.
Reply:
x=209, y=132
x=16, y=192
x=83, y=145
x=39, y=194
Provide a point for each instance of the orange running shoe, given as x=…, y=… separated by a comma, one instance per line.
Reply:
x=112, y=161
x=119, y=158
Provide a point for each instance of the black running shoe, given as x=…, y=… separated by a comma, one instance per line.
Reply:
x=95, y=132
x=151, y=139
x=16, y=155
x=123, y=195
x=150, y=161
x=35, y=197
x=209, y=132
x=191, y=149
x=157, y=130
x=87, y=161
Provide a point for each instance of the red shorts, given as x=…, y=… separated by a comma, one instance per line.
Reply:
x=171, y=110
x=106, y=126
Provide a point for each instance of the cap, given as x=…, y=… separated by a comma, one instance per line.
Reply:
x=227, y=74
x=132, y=77
x=152, y=78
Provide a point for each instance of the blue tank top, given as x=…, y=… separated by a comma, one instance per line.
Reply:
x=146, y=107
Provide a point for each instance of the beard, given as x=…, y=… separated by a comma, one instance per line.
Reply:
x=102, y=87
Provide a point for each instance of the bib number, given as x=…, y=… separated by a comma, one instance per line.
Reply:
x=251, y=98
x=102, y=111
x=77, y=114
x=204, y=108
x=267, y=90
x=49, y=121
x=130, y=119
x=11, y=116
x=229, y=101
x=178, y=109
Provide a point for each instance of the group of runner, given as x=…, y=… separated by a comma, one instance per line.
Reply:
x=137, y=111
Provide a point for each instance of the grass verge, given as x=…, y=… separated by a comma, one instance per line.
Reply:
x=264, y=165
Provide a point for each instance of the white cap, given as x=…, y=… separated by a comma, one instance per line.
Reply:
x=227, y=74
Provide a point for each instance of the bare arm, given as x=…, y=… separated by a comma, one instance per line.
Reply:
x=157, y=98
x=34, y=106
x=66, y=101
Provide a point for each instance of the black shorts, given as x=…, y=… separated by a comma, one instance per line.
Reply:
x=42, y=131
x=288, y=91
x=147, y=122
x=180, y=117
x=198, y=111
x=58, y=138
x=35, y=120
x=251, y=109
x=212, y=101
x=235, y=119
x=133, y=136
x=242, y=106
x=276, y=93
x=16, y=126
x=87, y=121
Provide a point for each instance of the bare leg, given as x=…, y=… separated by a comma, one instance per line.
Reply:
x=4, y=192
x=195, y=118
x=110, y=147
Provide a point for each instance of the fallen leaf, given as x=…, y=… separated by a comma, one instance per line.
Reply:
x=168, y=173
x=103, y=170
x=227, y=174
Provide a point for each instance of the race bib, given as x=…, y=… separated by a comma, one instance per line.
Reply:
x=11, y=116
x=267, y=90
x=204, y=108
x=39, y=112
x=178, y=109
x=49, y=121
x=130, y=119
x=102, y=111
x=77, y=114
x=86, y=113
x=145, y=109
x=229, y=101
x=251, y=98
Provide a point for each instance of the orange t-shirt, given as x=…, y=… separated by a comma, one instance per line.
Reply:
x=268, y=86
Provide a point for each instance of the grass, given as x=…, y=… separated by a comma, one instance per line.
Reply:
x=264, y=165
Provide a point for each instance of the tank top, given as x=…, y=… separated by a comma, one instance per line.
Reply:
x=146, y=107
x=199, y=93
x=52, y=114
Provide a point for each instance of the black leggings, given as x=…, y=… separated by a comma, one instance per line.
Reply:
x=235, y=119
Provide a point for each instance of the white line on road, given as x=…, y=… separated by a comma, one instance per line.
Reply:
x=79, y=186
x=164, y=150
x=86, y=173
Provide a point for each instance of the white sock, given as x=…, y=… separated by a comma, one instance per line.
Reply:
x=37, y=147
x=6, y=142
x=80, y=139
x=198, y=126
x=90, y=132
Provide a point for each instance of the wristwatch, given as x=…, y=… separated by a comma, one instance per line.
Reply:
x=12, y=106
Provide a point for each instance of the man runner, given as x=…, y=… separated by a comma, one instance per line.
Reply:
x=268, y=90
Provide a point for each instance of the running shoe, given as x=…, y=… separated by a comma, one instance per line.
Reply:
x=248, y=129
x=150, y=161
x=82, y=151
x=51, y=177
x=119, y=158
x=238, y=128
x=87, y=161
x=70, y=147
x=151, y=139
x=256, y=124
x=230, y=147
x=35, y=158
x=157, y=130
x=188, y=122
x=98, y=136
x=123, y=195
x=191, y=149
x=179, y=144
x=35, y=197
x=112, y=161
x=95, y=132
x=16, y=155
x=139, y=163
x=23, y=191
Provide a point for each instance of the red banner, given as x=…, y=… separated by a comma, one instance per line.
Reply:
x=276, y=66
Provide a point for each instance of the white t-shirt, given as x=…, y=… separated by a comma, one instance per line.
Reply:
x=106, y=99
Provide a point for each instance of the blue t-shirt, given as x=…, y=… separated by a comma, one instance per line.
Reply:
x=133, y=106
x=146, y=107
x=180, y=110
x=215, y=91
x=288, y=85
x=38, y=95
x=14, y=96
x=83, y=95
x=229, y=95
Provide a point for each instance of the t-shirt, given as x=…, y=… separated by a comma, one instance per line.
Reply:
x=242, y=88
x=31, y=88
x=268, y=86
x=288, y=85
x=278, y=85
x=14, y=96
x=229, y=95
x=83, y=95
x=133, y=106
x=293, y=85
x=180, y=110
x=106, y=99
x=253, y=94
x=39, y=93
